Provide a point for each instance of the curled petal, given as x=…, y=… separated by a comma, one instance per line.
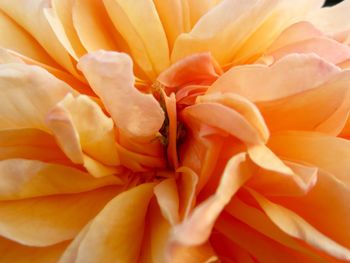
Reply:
x=111, y=77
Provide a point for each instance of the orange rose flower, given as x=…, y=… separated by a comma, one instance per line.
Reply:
x=174, y=131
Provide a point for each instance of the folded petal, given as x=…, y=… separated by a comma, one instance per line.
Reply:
x=111, y=77
x=41, y=222
x=297, y=227
x=123, y=220
x=195, y=230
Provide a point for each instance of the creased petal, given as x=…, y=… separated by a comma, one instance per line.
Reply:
x=110, y=75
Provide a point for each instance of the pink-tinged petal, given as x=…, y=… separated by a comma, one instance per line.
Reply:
x=246, y=108
x=30, y=15
x=290, y=75
x=332, y=20
x=295, y=226
x=295, y=33
x=328, y=49
x=323, y=109
x=14, y=252
x=13, y=37
x=26, y=178
x=123, y=221
x=27, y=95
x=41, y=221
x=147, y=41
x=111, y=77
x=199, y=8
x=196, y=68
x=260, y=246
x=224, y=118
x=168, y=200
x=196, y=229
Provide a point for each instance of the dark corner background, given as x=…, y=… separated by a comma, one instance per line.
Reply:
x=332, y=2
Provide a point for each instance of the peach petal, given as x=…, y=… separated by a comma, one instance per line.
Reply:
x=223, y=118
x=94, y=131
x=297, y=227
x=257, y=220
x=168, y=200
x=40, y=221
x=194, y=68
x=14, y=252
x=27, y=94
x=147, y=41
x=261, y=247
x=246, y=108
x=30, y=15
x=13, y=37
x=332, y=20
x=111, y=77
x=195, y=230
x=284, y=78
x=315, y=149
x=123, y=232
x=26, y=178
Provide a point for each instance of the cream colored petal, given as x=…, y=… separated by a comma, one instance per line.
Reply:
x=116, y=232
x=168, y=200
x=290, y=75
x=110, y=75
x=14, y=252
x=199, y=8
x=13, y=37
x=21, y=178
x=333, y=19
x=30, y=15
x=147, y=41
x=196, y=229
x=93, y=26
x=27, y=93
x=45, y=221
x=297, y=227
